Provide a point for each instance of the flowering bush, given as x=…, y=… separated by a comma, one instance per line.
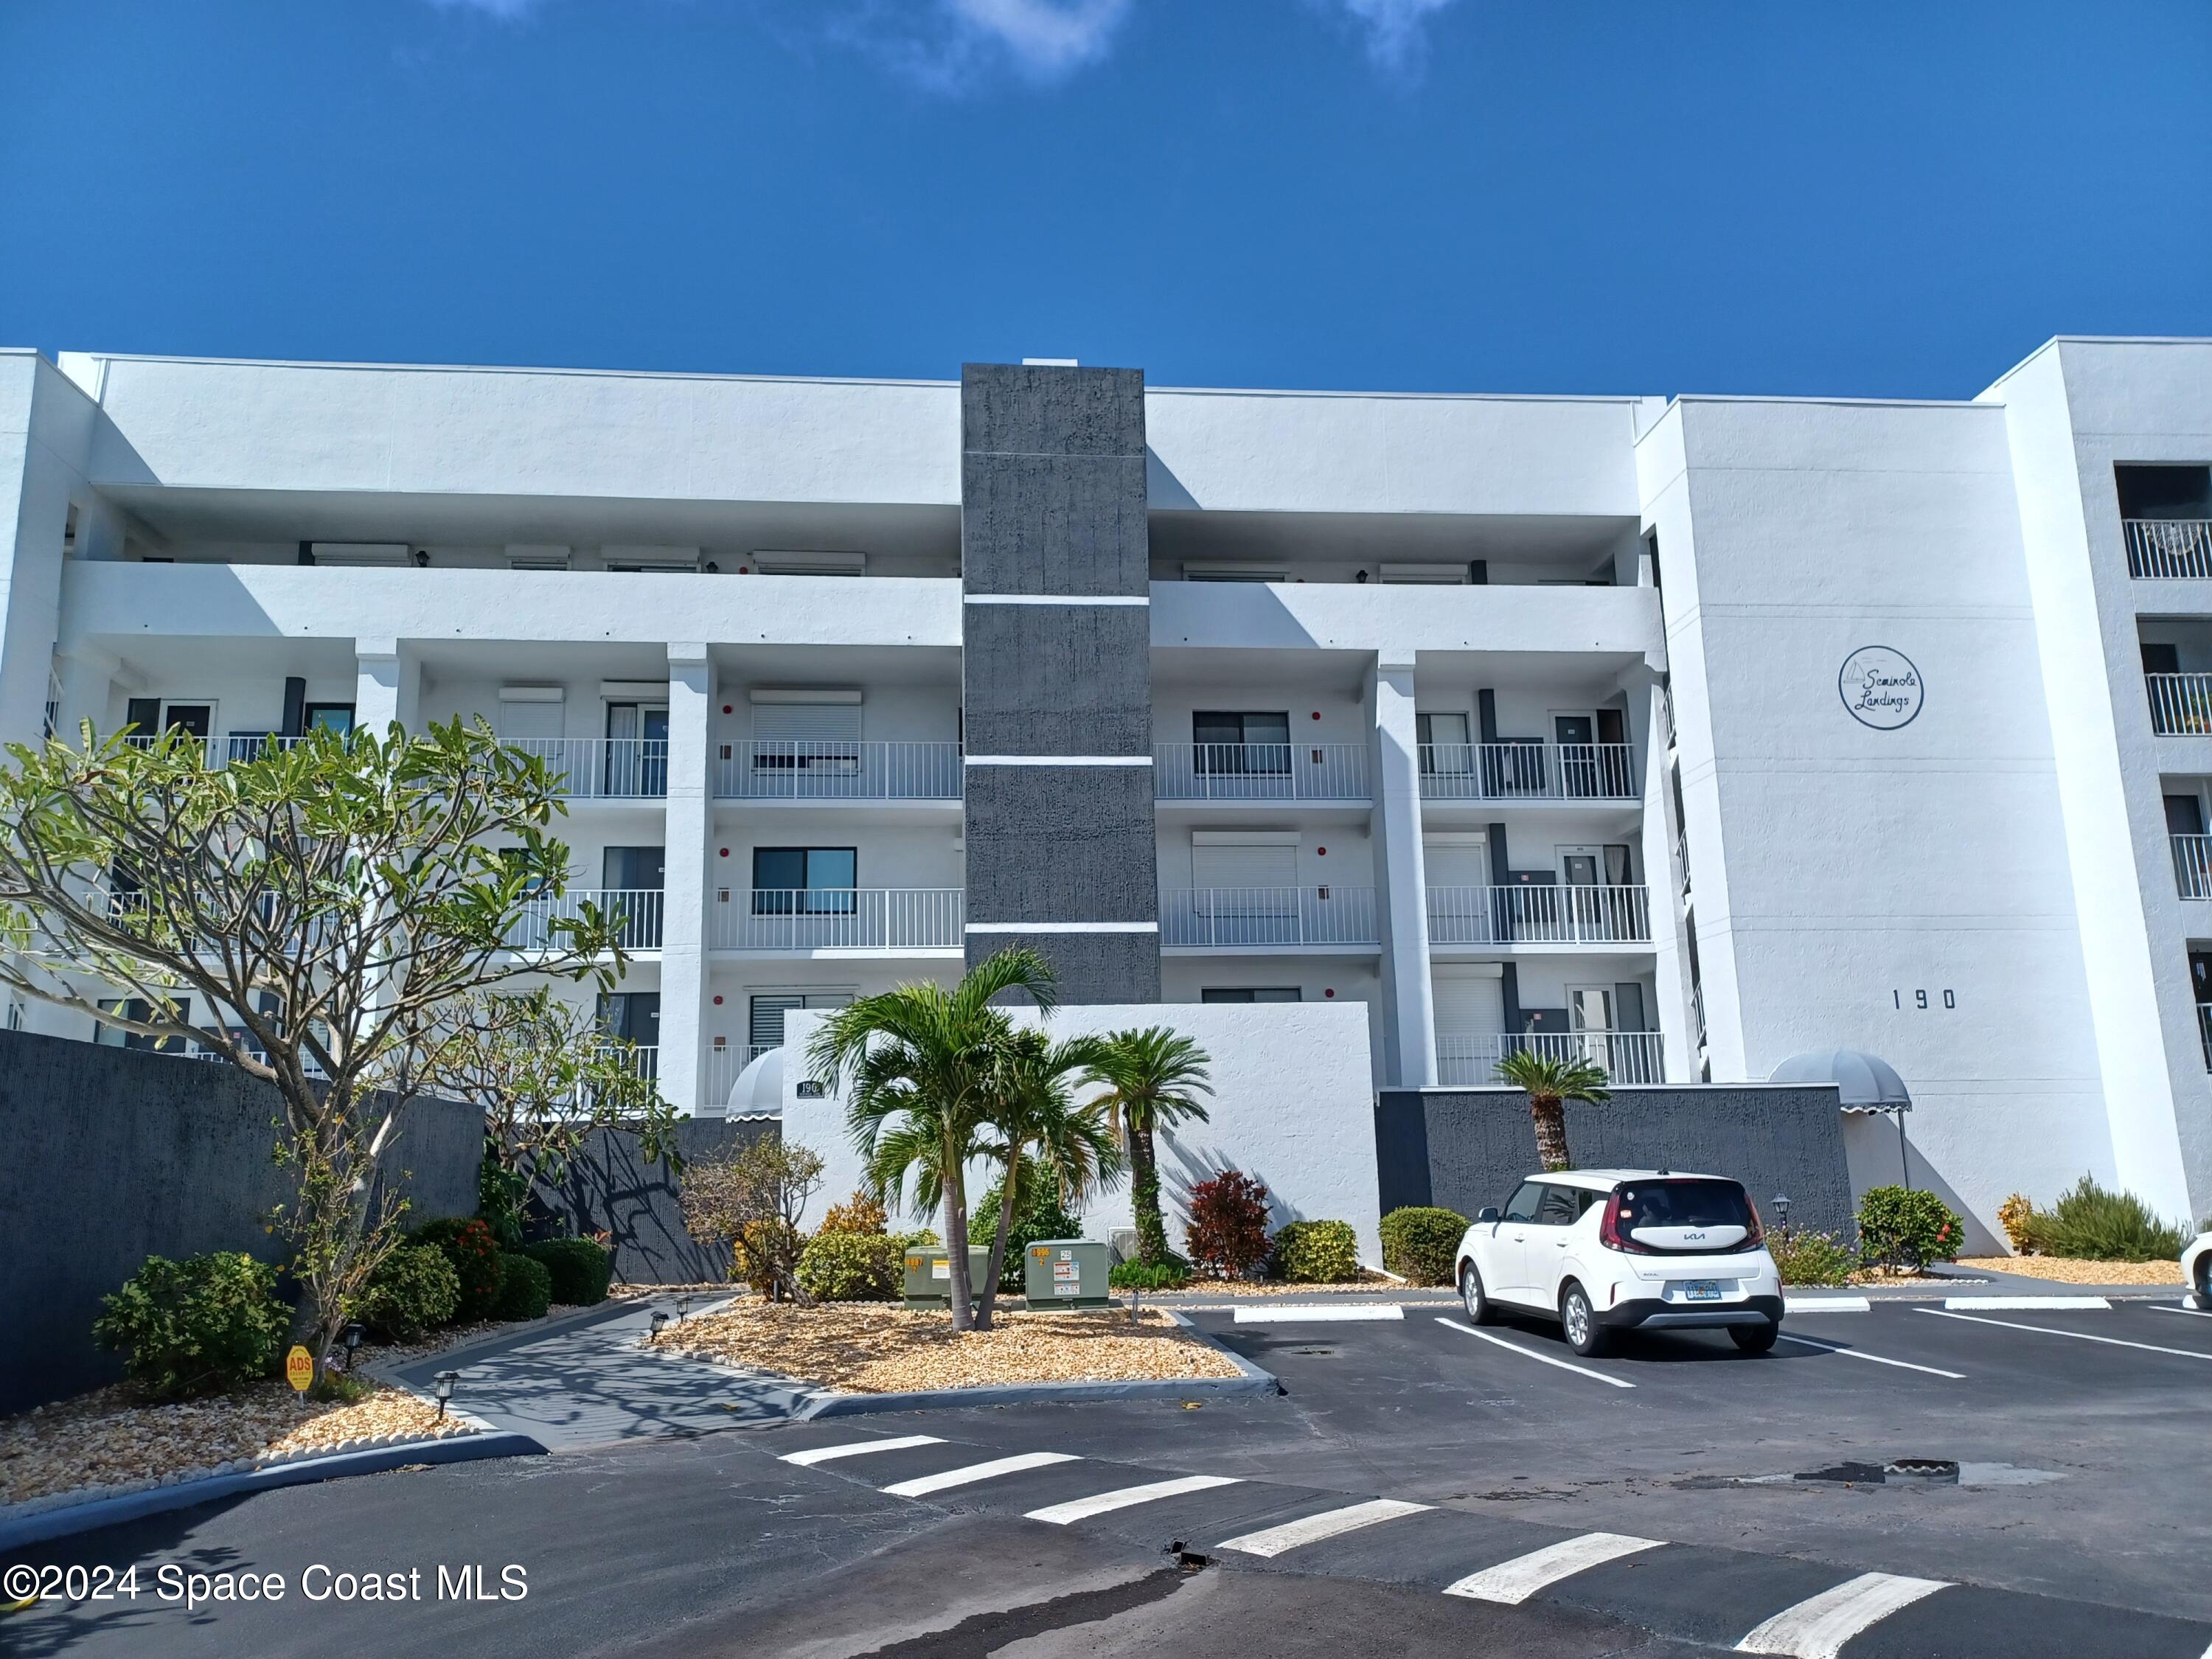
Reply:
x=1228, y=1229
x=1902, y=1227
x=473, y=1249
x=1809, y=1257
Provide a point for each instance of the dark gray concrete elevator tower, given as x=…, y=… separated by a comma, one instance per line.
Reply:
x=1055, y=563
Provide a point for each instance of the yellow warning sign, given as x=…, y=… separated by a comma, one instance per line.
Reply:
x=298, y=1368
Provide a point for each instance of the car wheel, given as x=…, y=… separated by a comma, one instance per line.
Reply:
x=1755, y=1339
x=1472, y=1295
x=1584, y=1334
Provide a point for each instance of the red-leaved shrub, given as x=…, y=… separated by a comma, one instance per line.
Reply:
x=1228, y=1231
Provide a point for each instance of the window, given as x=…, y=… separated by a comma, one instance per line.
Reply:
x=764, y=1028
x=1558, y=1208
x=152, y=716
x=804, y=881
x=1235, y=573
x=329, y=717
x=637, y=749
x=1252, y=993
x=821, y=563
x=2165, y=492
x=1521, y=1206
x=817, y=732
x=1442, y=743
x=1427, y=575
x=1241, y=743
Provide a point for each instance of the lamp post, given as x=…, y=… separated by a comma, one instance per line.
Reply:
x=660, y=1322
x=352, y=1339
x=1782, y=1215
x=442, y=1385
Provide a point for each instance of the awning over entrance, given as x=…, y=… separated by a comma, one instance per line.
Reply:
x=1864, y=1082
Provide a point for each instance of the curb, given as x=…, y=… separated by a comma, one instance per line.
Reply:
x=62, y=1520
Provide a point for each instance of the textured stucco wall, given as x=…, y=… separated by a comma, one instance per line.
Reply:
x=609, y=1188
x=1465, y=1148
x=112, y=1155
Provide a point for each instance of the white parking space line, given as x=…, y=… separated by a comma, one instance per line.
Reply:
x=1530, y=1353
x=1819, y=1626
x=1514, y=1582
x=2079, y=1336
x=2168, y=1307
x=1330, y=1524
x=807, y=1460
x=1871, y=1358
x=1807, y=1305
x=969, y=1475
x=1105, y=1503
x=1319, y=1315
x=2025, y=1303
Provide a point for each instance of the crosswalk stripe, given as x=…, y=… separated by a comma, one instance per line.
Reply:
x=1819, y=1626
x=1122, y=1498
x=972, y=1472
x=807, y=1460
x=1514, y=1582
x=1330, y=1524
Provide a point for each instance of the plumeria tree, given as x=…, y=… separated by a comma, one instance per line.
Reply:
x=311, y=913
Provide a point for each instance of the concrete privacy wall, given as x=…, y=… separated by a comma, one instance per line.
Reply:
x=108, y=1156
x=609, y=1188
x=1465, y=1148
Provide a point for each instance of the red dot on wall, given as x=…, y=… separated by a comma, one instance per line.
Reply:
x=1330, y=992
x=1316, y=714
x=725, y=852
x=725, y=709
x=1320, y=852
x=718, y=1002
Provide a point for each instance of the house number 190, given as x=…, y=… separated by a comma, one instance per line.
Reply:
x=1920, y=999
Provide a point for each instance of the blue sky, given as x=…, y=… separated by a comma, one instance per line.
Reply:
x=1881, y=197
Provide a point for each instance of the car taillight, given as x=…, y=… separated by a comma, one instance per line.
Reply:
x=1609, y=1233
x=1755, y=1235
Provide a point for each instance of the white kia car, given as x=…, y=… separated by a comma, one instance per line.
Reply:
x=2197, y=1267
x=1601, y=1250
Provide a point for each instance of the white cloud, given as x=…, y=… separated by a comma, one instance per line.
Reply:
x=509, y=10
x=1044, y=37
x=1397, y=30
x=949, y=45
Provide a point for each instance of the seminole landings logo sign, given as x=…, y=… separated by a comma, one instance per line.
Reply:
x=1881, y=687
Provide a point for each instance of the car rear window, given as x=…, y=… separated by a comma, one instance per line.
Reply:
x=1684, y=1204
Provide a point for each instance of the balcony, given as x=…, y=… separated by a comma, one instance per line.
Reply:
x=1528, y=771
x=1540, y=915
x=2169, y=549
x=2180, y=704
x=637, y=910
x=891, y=921
x=604, y=768
x=2192, y=866
x=797, y=769
x=1267, y=918
x=1626, y=1057
x=1261, y=771
x=723, y=1067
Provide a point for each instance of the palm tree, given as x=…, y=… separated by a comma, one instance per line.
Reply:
x=1044, y=1136
x=1550, y=1081
x=922, y=1060
x=1152, y=1080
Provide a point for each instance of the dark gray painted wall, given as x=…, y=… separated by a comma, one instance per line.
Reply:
x=609, y=1188
x=1464, y=1148
x=1053, y=482
x=108, y=1156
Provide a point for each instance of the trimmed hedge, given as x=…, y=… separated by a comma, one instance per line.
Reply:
x=1135, y=1275
x=413, y=1291
x=850, y=1266
x=203, y=1325
x=473, y=1250
x=1314, y=1253
x=1421, y=1243
x=526, y=1289
x=1907, y=1227
x=582, y=1269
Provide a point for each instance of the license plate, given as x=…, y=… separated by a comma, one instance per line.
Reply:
x=1701, y=1290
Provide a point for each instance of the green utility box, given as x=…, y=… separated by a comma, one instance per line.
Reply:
x=928, y=1276
x=1066, y=1273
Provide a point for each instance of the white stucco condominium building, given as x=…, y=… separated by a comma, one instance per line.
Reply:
x=1686, y=734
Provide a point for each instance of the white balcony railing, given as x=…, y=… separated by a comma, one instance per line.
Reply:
x=830, y=771
x=608, y=769
x=2192, y=866
x=1245, y=918
x=1540, y=915
x=2169, y=549
x=1626, y=1057
x=1528, y=771
x=1261, y=771
x=639, y=910
x=2180, y=704
x=723, y=1067
x=888, y=919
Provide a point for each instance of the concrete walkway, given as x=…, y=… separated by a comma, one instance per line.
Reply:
x=590, y=1383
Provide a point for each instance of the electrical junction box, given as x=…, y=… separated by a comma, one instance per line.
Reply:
x=926, y=1281
x=1066, y=1273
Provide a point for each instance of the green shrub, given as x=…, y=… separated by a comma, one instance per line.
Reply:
x=850, y=1267
x=413, y=1291
x=860, y=1214
x=1040, y=1218
x=1422, y=1244
x=526, y=1289
x=582, y=1269
x=471, y=1247
x=1135, y=1275
x=2097, y=1225
x=1314, y=1253
x=1812, y=1258
x=200, y=1326
x=1907, y=1227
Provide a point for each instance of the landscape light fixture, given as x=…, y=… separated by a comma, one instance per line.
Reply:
x=1782, y=1213
x=659, y=1320
x=353, y=1334
x=442, y=1386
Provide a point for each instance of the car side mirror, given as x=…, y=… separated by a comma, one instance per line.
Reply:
x=1490, y=1212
